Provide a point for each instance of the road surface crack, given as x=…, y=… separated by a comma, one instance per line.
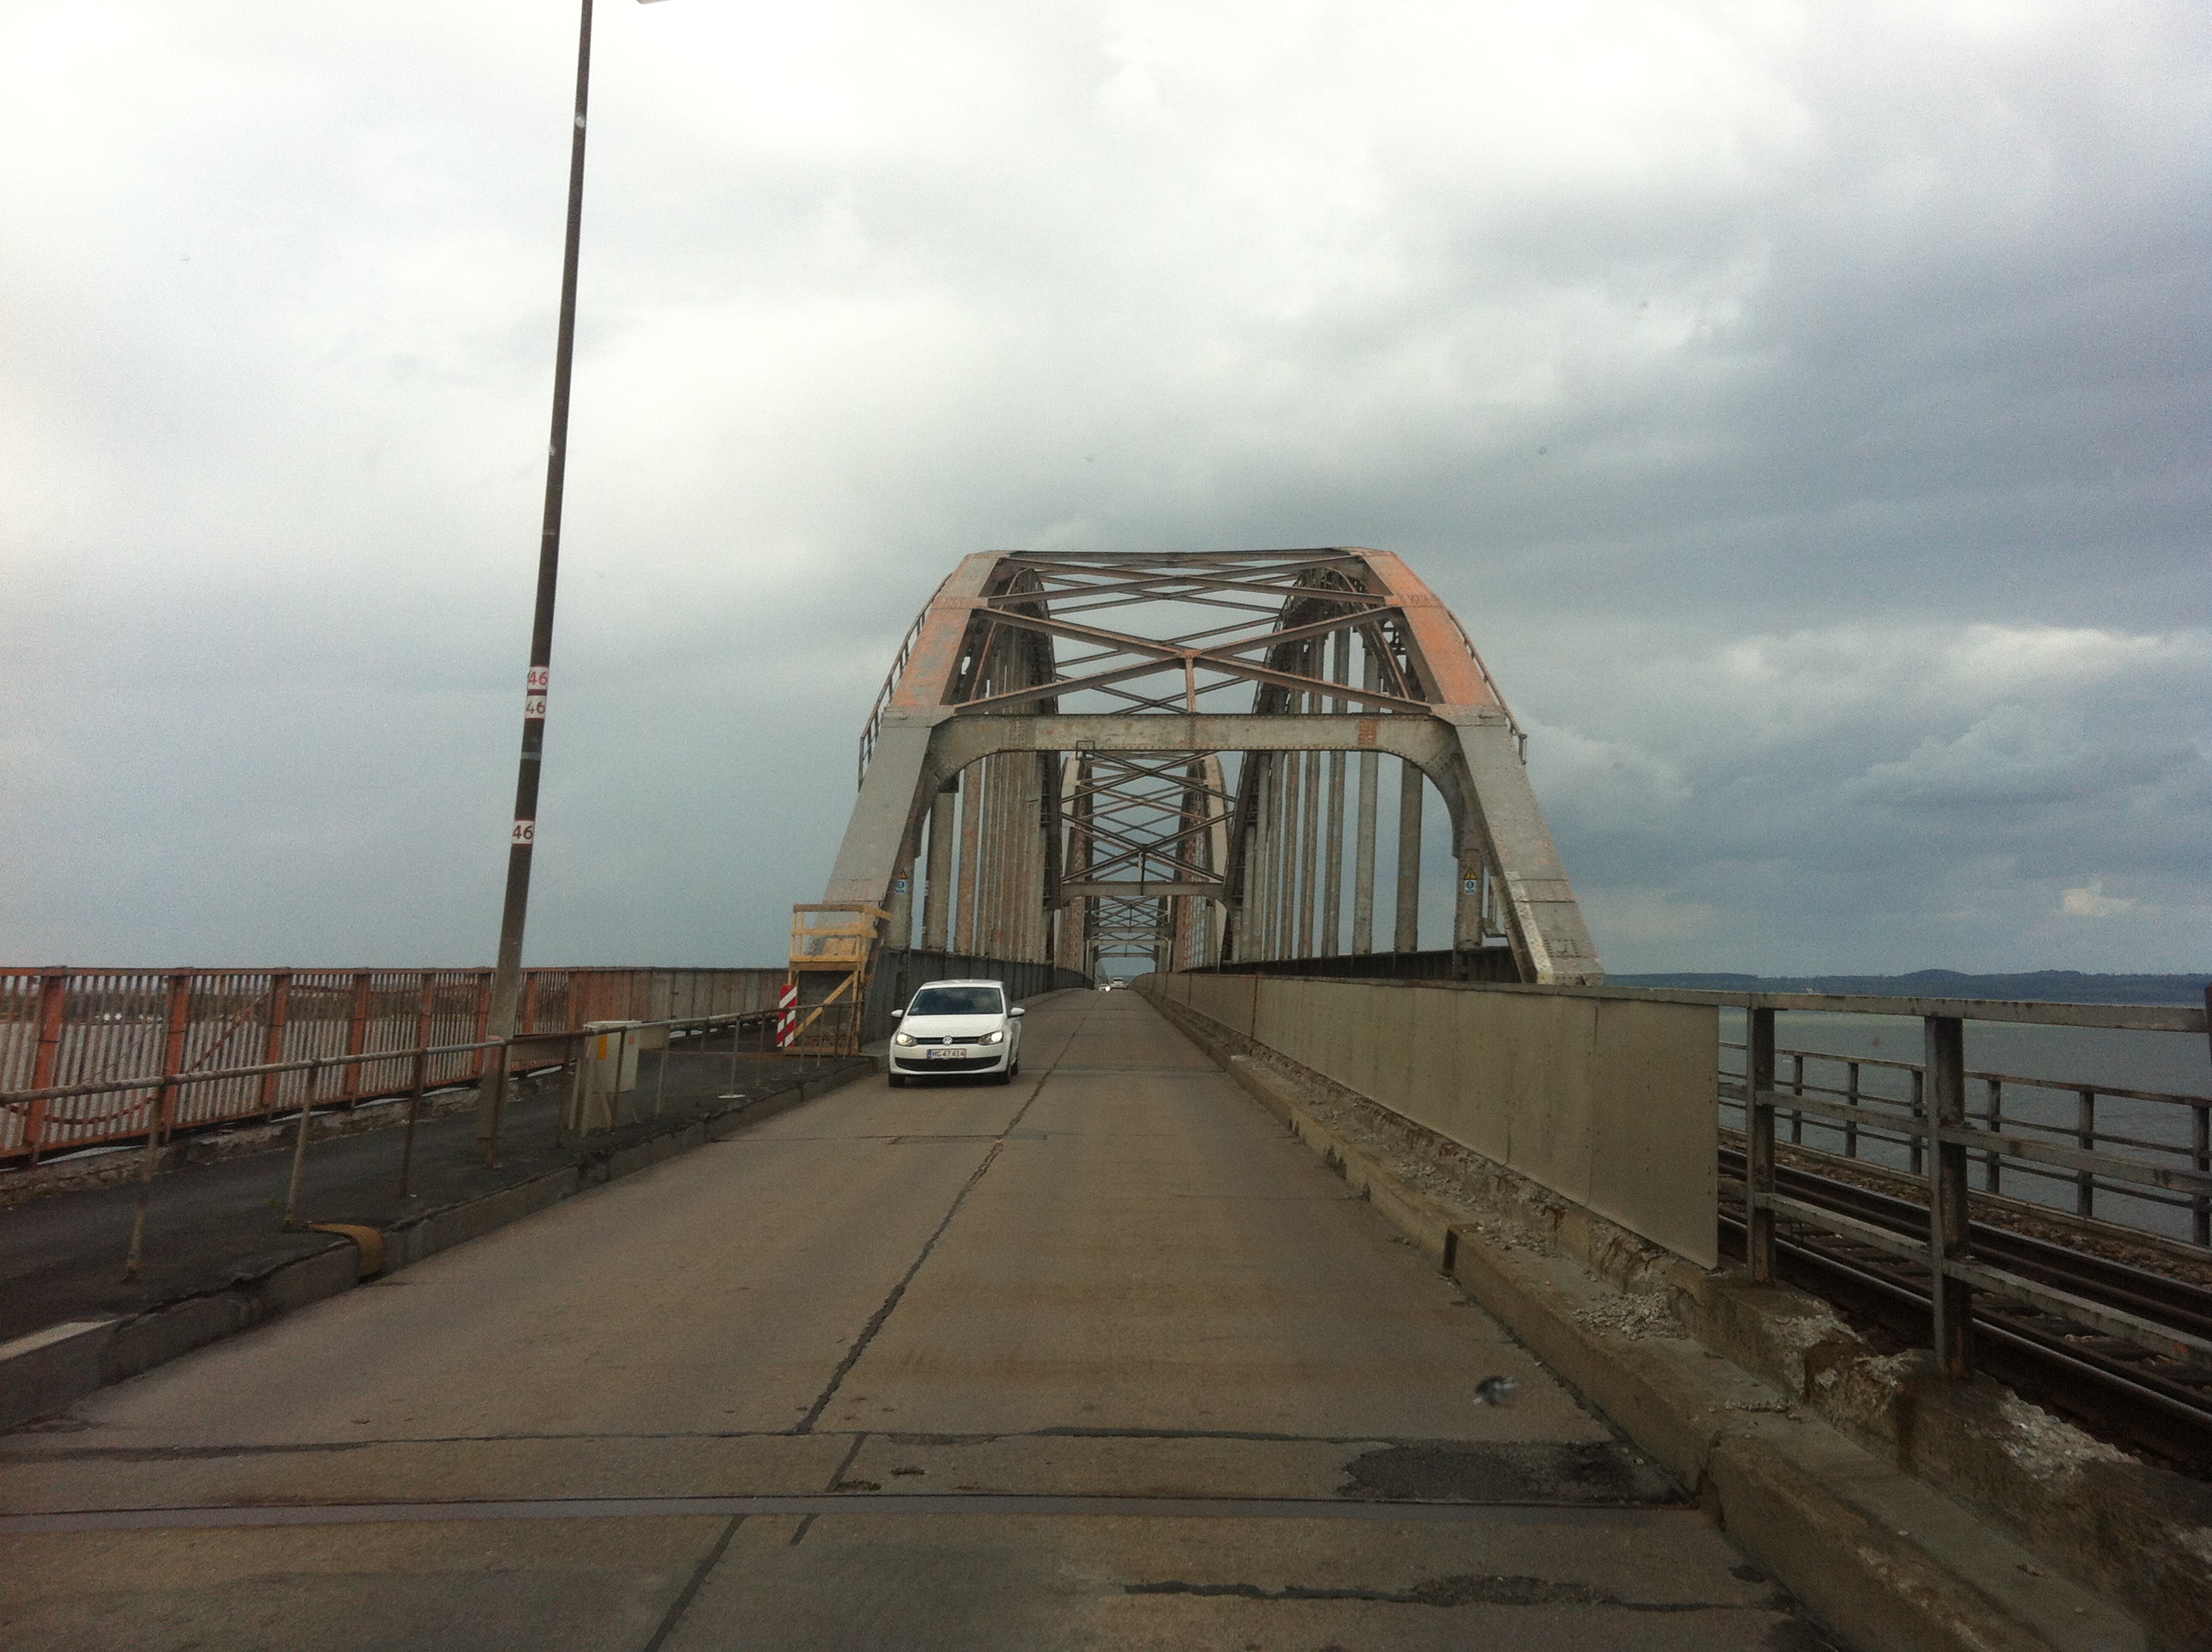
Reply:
x=876, y=1320
x=1495, y=1589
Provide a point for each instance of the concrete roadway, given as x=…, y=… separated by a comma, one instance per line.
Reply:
x=1104, y=1358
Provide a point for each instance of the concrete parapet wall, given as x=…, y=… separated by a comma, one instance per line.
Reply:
x=1909, y=1511
x=1608, y=1104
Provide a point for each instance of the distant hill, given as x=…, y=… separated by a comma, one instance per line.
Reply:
x=2040, y=986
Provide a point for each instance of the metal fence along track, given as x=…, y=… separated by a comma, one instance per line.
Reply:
x=62, y=1028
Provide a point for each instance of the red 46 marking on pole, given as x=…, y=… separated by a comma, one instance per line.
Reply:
x=526, y=833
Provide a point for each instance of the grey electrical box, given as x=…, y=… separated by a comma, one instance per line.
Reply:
x=610, y=1050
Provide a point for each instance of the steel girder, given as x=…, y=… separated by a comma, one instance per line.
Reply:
x=1083, y=757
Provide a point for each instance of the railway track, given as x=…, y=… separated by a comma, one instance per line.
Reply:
x=2157, y=1403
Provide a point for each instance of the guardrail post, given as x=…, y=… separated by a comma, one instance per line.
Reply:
x=176, y=1022
x=357, y=1036
x=1758, y=1143
x=1993, y=1161
x=570, y=1116
x=1797, y=1088
x=2085, y=1136
x=426, y=1006
x=2200, y=1142
x=1917, y=1154
x=272, y=1046
x=413, y=1113
x=1851, y=1099
x=53, y=1014
x=1945, y=1061
x=299, y=1144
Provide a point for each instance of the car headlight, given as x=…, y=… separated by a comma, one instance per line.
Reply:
x=998, y=1037
x=904, y=1038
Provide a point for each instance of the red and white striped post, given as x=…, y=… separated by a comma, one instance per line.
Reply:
x=787, y=1015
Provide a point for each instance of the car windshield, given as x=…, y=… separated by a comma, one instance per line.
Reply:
x=957, y=1001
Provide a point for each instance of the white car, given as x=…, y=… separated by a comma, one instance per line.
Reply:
x=957, y=1026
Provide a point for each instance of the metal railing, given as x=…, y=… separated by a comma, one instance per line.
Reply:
x=874, y=725
x=1855, y=1081
x=1943, y=1140
x=70, y=1034
x=500, y=1060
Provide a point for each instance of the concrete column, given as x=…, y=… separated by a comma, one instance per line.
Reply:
x=1286, y=853
x=937, y=891
x=1409, y=938
x=991, y=910
x=1363, y=859
x=1013, y=857
x=899, y=928
x=1029, y=834
x=973, y=784
x=1271, y=860
x=1286, y=849
x=1217, y=851
x=1286, y=876
x=1308, y=846
x=1080, y=914
x=1332, y=880
x=1256, y=893
x=1467, y=903
x=1075, y=934
x=1024, y=856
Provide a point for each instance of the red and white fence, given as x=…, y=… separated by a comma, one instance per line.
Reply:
x=65, y=1027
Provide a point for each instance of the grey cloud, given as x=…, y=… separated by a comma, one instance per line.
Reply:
x=2016, y=758
x=1804, y=408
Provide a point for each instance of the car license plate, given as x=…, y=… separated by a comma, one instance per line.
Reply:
x=948, y=1052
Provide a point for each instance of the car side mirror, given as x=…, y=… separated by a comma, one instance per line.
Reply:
x=1017, y=1011
x=898, y=1015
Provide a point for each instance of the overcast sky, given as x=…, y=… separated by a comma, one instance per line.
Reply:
x=1804, y=407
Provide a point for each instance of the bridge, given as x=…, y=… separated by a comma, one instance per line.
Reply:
x=1174, y=759
x=1347, y=1284
x=1147, y=757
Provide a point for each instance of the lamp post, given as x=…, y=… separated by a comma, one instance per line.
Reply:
x=506, y=978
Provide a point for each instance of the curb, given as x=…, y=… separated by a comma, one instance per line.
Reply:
x=49, y=1371
x=1882, y=1557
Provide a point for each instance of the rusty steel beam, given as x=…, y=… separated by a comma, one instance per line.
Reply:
x=1137, y=889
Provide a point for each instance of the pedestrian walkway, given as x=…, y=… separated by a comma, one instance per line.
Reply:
x=1104, y=1358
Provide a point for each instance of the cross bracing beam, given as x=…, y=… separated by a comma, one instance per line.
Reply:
x=1097, y=752
x=1211, y=888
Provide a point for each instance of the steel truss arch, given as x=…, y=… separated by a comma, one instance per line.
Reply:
x=1047, y=759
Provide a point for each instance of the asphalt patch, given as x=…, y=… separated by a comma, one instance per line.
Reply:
x=1604, y=1472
